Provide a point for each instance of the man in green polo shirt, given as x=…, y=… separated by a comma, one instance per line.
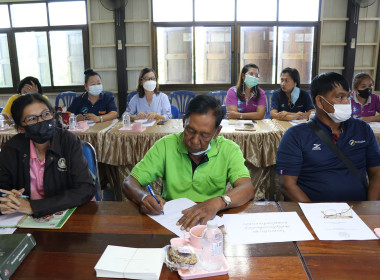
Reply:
x=196, y=164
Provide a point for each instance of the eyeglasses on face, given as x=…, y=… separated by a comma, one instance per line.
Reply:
x=149, y=78
x=33, y=119
x=253, y=74
x=332, y=214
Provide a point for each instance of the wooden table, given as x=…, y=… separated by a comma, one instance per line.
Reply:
x=73, y=251
x=124, y=150
x=342, y=259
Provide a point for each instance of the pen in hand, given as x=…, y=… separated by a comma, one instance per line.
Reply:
x=152, y=194
x=23, y=196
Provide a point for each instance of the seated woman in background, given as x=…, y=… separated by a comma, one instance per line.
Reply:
x=95, y=104
x=149, y=103
x=43, y=162
x=26, y=85
x=246, y=100
x=289, y=102
x=364, y=103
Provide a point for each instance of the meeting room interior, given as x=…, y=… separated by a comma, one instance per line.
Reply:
x=125, y=77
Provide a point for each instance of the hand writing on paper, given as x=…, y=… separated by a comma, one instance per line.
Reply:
x=150, y=206
x=200, y=213
x=141, y=115
x=14, y=203
x=92, y=117
x=151, y=116
x=80, y=118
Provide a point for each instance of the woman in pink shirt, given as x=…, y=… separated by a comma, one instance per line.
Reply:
x=246, y=101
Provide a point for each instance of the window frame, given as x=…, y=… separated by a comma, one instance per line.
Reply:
x=235, y=47
x=13, y=51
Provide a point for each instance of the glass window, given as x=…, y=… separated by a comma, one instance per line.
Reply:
x=295, y=50
x=256, y=10
x=258, y=46
x=4, y=17
x=289, y=10
x=67, y=13
x=175, y=55
x=67, y=57
x=29, y=15
x=172, y=10
x=213, y=55
x=32, y=55
x=214, y=10
x=5, y=63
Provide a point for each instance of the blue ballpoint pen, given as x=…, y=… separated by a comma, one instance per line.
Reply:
x=23, y=196
x=152, y=194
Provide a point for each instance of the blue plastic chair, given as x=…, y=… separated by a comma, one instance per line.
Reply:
x=90, y=155
x=67, y=98
x=268, y=96
x=175, y=112
x=181, y=99
x=224, y=111
x=219, y=94
x=130, y=95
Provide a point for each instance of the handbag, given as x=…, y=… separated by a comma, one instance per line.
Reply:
x=338, y=152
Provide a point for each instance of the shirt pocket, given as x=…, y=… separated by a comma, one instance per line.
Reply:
x=216, y=184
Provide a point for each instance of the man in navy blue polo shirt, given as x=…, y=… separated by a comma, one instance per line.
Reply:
x=309, y=170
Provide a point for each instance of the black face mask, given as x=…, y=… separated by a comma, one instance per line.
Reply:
x=40, y=132
x=365, y=93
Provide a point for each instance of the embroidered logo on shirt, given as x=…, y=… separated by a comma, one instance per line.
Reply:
x=62, y=164
x=353, y=142
x=316, y=147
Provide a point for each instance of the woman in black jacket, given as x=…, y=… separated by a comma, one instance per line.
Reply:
x=42, y=162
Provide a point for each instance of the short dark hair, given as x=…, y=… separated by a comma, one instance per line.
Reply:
x=294, y=74
x=89, y=73
x=28, y=80
x=24, y=100
x=202, y=104
x=323, y=83
x=140, y=87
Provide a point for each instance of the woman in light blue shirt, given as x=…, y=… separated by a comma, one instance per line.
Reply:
x=149, y=103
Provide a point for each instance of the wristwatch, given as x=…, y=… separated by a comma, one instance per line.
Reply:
x=241, y=116
x=226, y=199
x=101, y=119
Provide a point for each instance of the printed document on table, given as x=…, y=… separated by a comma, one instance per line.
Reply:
x=268, y=227
x=173, y=212
x=336, y=229
x=145, y=122
x=10, y=220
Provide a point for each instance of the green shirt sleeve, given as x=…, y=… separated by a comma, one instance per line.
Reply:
x=236, y=167
x=151, y=167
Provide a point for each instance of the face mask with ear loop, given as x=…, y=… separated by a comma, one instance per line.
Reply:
x=209, y=144
x=342, y=112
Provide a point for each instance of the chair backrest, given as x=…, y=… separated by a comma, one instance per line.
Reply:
x=219, y=94
x=90, y=155
x=181, y=99
x=268, y=96
x=175, y=112
x=130, y=95
x=224, y=111
x=67, y=98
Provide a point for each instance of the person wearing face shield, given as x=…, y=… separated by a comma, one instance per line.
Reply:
x=149, y=103
x=309, y=169
x=42, y=168
x=290, y=102
x=95, y=104
x=194, y=164
x=246, y=101
x=365, y=104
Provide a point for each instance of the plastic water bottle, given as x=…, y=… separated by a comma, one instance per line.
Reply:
x=2, y=121
x=126, y=120
x=212, y=247
x=72, y=122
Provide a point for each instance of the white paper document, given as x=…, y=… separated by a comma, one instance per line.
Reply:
x=7, y=230
x=145, y=122
x=336, y=227
x=133, y=263
x=173, y=212
x=374, y=125
x=268, y=227
x=10, y=220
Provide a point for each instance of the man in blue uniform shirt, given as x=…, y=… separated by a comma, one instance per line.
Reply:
x=309, y=170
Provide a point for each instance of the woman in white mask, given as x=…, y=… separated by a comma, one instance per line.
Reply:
x=95, y=104
x=290, y=102
x=246, y=101
x=149, y=103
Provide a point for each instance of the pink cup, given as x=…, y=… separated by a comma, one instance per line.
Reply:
x=137, y=127
x=82, y=124
x=194, y=236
